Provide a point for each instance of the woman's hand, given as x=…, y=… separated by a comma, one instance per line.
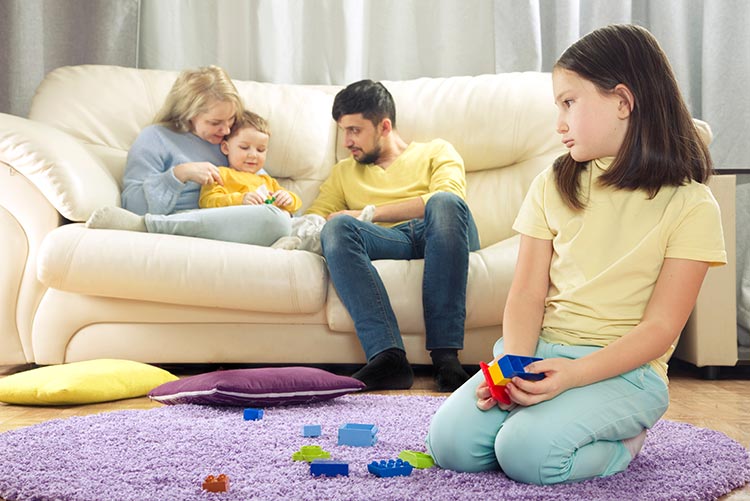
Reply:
x=283, y=198
x=560, y=374
x=202, y=173
x=252, y=198
x=485, y=400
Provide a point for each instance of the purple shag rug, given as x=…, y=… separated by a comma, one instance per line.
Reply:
x=166, y=453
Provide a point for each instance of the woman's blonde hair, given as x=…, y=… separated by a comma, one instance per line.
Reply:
x=195, y=92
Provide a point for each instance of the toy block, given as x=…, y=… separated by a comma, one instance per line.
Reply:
x=358, y=435
x=253, y=414
x=390, y=468
x=417, y=459
x=328, y=468
x=311, y=430
x=499, y=373
x=309, y=453
x=514, y=366
x=216, y=484
x=497, y=391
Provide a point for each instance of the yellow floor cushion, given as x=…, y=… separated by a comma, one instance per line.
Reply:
x=82, y=382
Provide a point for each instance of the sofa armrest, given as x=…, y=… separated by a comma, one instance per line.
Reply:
x=710, y=336
x=73, y=180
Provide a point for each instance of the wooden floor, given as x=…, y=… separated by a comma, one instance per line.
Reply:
x=723, y=405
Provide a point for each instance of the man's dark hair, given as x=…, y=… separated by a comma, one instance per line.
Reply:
x=369, y=98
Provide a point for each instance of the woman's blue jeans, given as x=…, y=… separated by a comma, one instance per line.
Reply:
x=443, y=239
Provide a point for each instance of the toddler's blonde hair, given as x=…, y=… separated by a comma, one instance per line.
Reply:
x=249, y=119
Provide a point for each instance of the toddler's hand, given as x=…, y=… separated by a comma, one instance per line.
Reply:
x=252, y=198
x=283, y=198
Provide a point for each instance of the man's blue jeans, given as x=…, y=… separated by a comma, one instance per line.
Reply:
x=443, y=239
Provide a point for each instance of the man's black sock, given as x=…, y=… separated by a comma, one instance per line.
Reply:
x=388, y=370
x=449, y=374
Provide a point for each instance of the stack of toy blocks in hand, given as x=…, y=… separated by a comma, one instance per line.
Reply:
x=499, y=373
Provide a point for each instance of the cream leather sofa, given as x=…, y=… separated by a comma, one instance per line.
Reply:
x=68, y=293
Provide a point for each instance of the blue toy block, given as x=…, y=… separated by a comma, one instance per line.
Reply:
x=251, y=414
x=514, y=366
x=358, y=435
x=390, y=468
x=311, y=430
x=328, y=468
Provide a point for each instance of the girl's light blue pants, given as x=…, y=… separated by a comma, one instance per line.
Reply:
x=575, y=436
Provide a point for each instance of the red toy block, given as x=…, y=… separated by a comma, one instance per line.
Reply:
x=498, y=392
x=216, y=484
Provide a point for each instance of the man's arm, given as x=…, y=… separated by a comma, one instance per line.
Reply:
x=331, y=196
x=391, y=213
x=447, y=172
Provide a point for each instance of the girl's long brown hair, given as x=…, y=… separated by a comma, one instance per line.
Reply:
x=661, y=146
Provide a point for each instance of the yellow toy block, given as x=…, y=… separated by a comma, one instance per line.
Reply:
x=497, y=374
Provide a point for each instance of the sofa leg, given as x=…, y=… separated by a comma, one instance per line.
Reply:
x=710, y=372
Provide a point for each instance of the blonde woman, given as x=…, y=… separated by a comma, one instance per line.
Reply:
x=180, y=152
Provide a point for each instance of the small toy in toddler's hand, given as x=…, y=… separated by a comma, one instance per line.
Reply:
x=265, y=194
x=500, y=372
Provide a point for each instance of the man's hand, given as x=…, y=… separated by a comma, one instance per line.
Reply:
x=354, y=213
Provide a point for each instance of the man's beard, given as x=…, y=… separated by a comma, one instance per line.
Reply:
x=370, y=157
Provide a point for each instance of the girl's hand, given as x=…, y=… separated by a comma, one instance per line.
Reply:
x=486, y=402
x=202, y=173
x=252, y=198
x=560, y=374
x=283, y=198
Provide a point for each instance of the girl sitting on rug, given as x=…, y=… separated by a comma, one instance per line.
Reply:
x=616, y=238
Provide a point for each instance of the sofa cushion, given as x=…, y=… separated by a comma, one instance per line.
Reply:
x=82, y=383
x=182, y=270
x=490, y=274
x=257, y=387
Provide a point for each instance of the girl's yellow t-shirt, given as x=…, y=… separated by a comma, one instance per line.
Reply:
x=607, y=257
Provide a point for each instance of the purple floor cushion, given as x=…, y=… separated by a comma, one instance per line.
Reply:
x=167, y=452
x=256, y=387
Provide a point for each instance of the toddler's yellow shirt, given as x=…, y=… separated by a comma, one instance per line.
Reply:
x=236, y=184
x=606, y=258
x=420, y=171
